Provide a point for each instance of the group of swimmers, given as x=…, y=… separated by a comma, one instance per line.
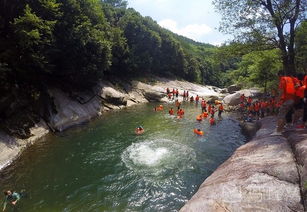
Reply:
x=208, y=109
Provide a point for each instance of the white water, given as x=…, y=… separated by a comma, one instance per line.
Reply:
x=158, y=156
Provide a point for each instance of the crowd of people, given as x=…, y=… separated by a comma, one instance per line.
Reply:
x=289, y=105
x=208, y=109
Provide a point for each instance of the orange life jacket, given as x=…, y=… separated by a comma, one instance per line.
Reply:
x=198, y=132
x=199, y=117
x=205, y=114
x=300, y=91
x=212, y=121
x=288, y=86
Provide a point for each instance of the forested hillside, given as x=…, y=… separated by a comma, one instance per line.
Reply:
x=72, y=44
x=80, y=41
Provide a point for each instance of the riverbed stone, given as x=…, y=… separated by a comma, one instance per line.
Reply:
x=70, y=112
x=298, y=141
x=233, y=88
x=250, y=129
x=261, y=175
x=112, y=96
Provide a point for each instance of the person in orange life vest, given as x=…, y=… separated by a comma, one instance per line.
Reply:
x=203, y=106
x=305, y=102
x=263, y=106
x=199, y=117
x=212, y=121
x=139, y=130
x=242, y=98
x=177, y=93
x=287, y=96
x=209, y=108
x=171, y=111
x=212, y=111
x=221, y=109
x=167, y=91
x=257, y=108
x=174, y=92
x=300, y=105
x=297, y=110
x=242, y=107
x=169, y=95
x=205, y=114
x=251, y=110
x=197, y=98
x=249, y=101
x=192, y=99
x=184, y=94
x=198, y=132
x=177, y=103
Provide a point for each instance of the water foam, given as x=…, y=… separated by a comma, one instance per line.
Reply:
x=148, y=155
x=158, y=156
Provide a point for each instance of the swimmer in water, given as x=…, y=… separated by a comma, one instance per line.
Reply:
x=139, y=130
x=11, y=197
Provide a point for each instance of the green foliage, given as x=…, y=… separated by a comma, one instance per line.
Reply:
x=258, y=68
x=301, y=48
x=265, y=24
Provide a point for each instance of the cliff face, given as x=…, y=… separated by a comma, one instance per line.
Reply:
x=266, y=174
x=74, y=108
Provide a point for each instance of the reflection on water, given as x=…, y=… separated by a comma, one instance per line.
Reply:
x=104, y=166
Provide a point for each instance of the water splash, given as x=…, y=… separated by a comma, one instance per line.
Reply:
x=157, y=157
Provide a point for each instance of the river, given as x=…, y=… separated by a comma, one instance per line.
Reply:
x=104, y=166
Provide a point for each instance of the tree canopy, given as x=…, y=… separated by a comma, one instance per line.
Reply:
x=266, y=23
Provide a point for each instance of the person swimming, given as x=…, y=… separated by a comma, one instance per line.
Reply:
x=198, y=131
x=11, y=197
x=139, y=130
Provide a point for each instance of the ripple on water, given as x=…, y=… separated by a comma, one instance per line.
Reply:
x=158, y=157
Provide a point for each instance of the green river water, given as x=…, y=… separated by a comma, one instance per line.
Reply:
x=104, y=166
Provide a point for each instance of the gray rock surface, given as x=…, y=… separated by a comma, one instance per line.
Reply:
x=298, y=141
x=233, y=88
x=234, y=99
x=261, y=175
x=250, y=129
x=11, y=147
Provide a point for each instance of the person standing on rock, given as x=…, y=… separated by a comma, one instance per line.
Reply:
x=288, y=98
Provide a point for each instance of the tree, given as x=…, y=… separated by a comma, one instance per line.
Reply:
x=117, y=3
x=258, y=68
x=301, y=48
x=270, y=24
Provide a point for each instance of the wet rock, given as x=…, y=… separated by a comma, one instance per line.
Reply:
x=250, y=129
x=71, y=112
x=112, y=96
x=260, y=176
x=298, y=141
x=233, y=88
x=232, y=99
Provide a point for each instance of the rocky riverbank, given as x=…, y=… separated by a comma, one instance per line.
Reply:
x=268, y=173
x=74, y=108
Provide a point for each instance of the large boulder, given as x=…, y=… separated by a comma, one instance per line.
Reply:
x=112, y=96
x=232, y=99
x=151, y=93
x=233, y=88
x=250, y=129
x=71, y=112
x=261, y=175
